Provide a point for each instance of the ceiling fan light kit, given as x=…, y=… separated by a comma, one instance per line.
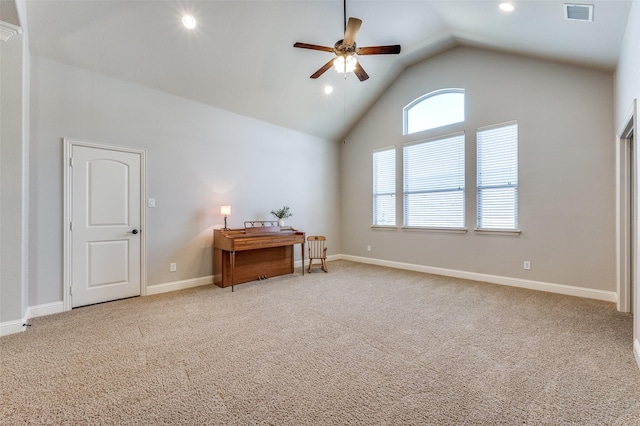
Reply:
x=345, y=50
x=345, y=64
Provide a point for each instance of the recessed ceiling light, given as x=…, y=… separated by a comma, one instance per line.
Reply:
x=189, y=21
x=507, y=7
x=328, y=89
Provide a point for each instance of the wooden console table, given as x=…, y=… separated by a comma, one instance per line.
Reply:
x=254, y=253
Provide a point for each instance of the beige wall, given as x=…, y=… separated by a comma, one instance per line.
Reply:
x=198, y=158
x=566, y=170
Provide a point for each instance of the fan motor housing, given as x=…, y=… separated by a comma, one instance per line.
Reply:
x=342, y=49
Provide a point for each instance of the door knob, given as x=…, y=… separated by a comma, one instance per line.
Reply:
x=135, y=231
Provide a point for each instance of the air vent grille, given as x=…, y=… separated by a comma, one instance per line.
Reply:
x=578, y=12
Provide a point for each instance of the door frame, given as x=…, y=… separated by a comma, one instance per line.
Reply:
x=68, y=145
x=627, y=256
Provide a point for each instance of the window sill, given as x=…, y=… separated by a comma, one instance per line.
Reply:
x=389, y=227
x=481, y=231
x=443, y=230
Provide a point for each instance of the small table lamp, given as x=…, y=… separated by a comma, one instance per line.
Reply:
x=226, y=211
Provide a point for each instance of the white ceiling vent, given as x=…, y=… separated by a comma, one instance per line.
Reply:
x=578, y=12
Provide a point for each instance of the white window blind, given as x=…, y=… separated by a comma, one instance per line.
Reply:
x=434, y=183
x=384, y=187
x=497, y=183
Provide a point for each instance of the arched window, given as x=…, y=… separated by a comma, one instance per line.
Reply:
x=435, y=109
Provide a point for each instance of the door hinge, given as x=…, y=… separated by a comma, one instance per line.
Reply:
x=70, y=290
x=70, y=226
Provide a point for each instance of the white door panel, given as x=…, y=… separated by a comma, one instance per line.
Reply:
x=108, y=263
x=109, y=180
x=105, y=211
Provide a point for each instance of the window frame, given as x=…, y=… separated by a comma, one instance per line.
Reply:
x=394, y=193
x=423, y=98
x=489, y=230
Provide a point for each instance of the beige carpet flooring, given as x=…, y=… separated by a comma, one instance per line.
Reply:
x=361, y=345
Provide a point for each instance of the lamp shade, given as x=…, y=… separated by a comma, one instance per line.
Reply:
x=225, y=210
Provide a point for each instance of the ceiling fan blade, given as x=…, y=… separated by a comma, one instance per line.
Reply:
x=323, y=69
x=379, y=50
x=360, y=72
x=350, y=33
x=313, y=47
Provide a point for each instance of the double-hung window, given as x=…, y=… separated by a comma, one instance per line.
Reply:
x=497, y=180
x=384, y=187
x=434, y=183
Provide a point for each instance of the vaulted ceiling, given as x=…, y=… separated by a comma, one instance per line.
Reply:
x=240, y=56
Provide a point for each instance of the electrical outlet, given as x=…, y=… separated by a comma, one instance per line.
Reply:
x=368, y=248
x=527, y=265
x=173, y=267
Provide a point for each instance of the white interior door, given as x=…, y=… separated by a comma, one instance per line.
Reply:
x=105, y=221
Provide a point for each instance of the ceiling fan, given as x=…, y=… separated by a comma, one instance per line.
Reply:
x=346, y=48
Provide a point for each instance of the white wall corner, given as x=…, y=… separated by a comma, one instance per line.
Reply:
x=608, y=296
x=44, y=310
x=8, y=30
x=17, y=326
x=11, y=327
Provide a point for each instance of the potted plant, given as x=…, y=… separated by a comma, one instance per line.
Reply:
x=282, y=214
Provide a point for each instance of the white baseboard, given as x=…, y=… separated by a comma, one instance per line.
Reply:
x=179, y=285
x=588, y=293
x=636, y=351
x=44, y=309
x=16, y=326
x=10, y=327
